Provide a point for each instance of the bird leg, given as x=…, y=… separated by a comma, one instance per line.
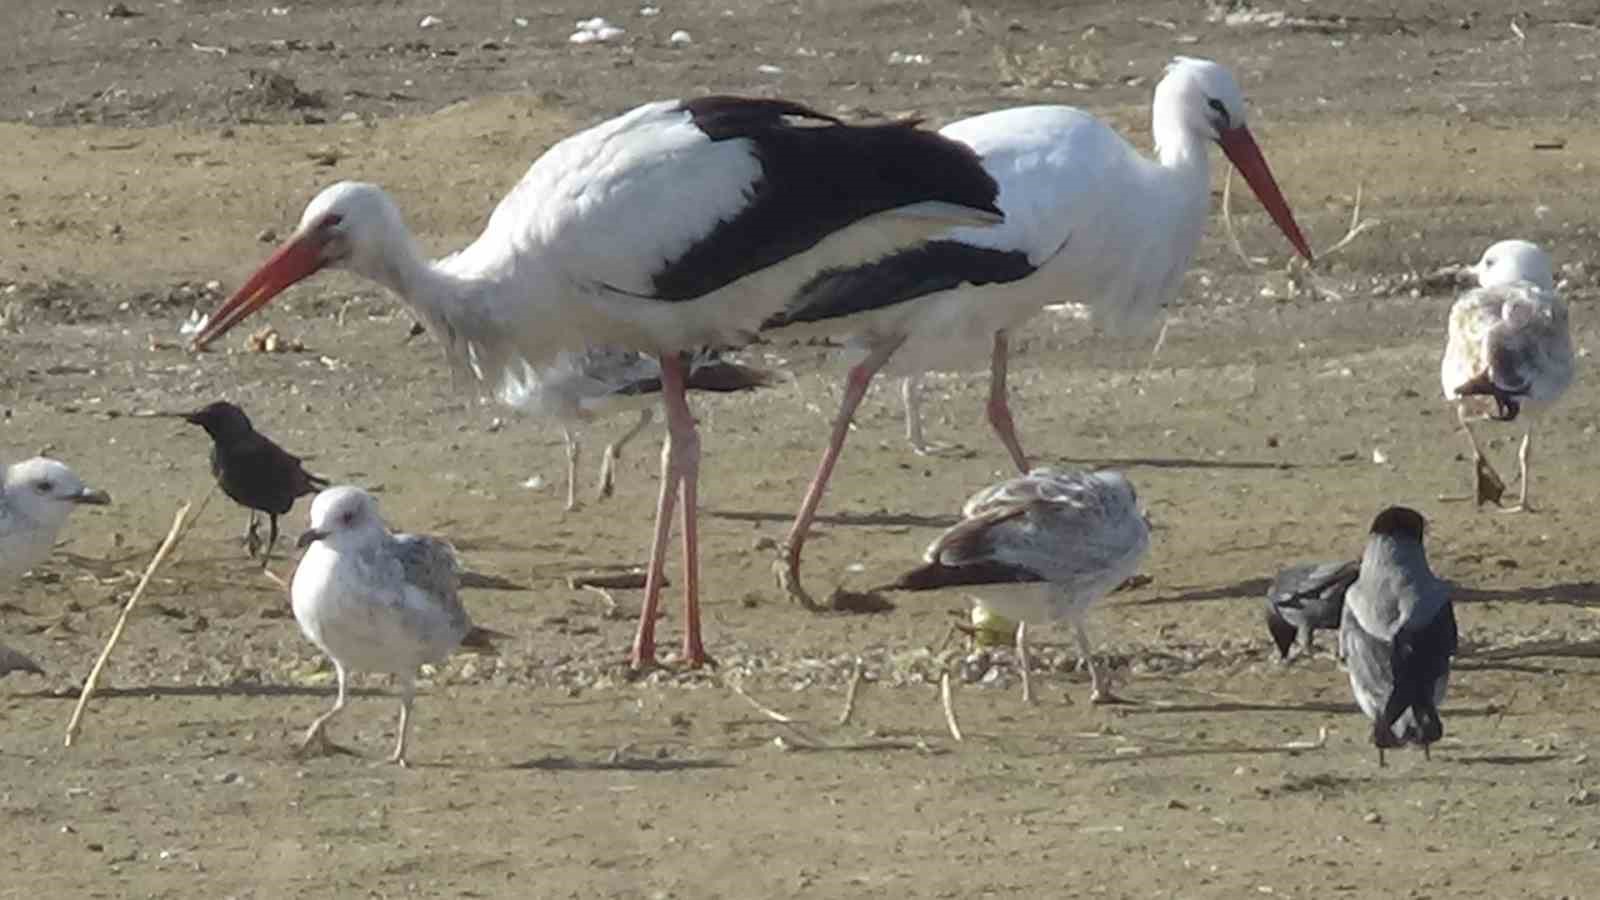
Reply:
x=680, y=465
x=574, y=451
x=316, y=739
x=272, y=538
x=1524, y=458
x=1099, y=691
x=408, y=694
x=608, y=461
x=911, y=399
x=252, y=537
x=787, y=568
x=999, y=409
x=1022, y=661
x=1487, y=485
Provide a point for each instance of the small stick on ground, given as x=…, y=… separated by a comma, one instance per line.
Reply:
x=1318, y=744
x=850, y=694
x=1227, y=222
x=1358, y=226
x=949, y=706
x=808, y=741
x=171, y=541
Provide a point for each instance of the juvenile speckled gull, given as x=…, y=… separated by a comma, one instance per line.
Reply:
x=36, y=496
x=1042, y=546
x=1398, y=632
x=583, y=386
x=1508, y=344
x=377, y=602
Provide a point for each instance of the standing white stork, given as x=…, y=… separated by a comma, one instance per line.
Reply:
x=1509, y=342
x=581, y=387
x=678, y=225
x=1088, y=218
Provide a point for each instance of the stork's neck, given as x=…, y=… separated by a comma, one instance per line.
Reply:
x=431, y=287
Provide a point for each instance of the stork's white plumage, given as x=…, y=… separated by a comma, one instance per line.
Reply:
x=1508, y=354
x=1088, y=219
x=677, y=225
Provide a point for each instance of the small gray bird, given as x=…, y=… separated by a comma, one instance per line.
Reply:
x=1398, y=633
x=1304, y=598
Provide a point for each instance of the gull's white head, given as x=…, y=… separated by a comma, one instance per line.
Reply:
x=1508, y=262
x=45, y=491
x=1201, y=95
x=343, y=518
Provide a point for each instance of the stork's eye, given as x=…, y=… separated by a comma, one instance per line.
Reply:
x=1219, y=109
x=45, y=487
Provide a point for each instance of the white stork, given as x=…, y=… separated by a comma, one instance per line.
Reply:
x=1508, y=343
x=1088, y=219
x=678, y=225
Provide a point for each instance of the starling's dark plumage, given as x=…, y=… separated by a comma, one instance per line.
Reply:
x=252, y=470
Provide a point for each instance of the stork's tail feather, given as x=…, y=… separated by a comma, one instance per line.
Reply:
x=482, y=641
x=723, y=377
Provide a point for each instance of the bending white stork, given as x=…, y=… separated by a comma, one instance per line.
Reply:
x=581, y=387
x=678, y=225
x=1088, y=218
x=1508, y=342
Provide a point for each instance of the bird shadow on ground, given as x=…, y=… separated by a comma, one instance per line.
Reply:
x=1211, y=750
x=1174, y=462
x=192, y=690
x=1226, y=706
x=1250, y=587
x=491, y=582
x=1507, y=658
x=1575, y=593
x=619, y=764
x=873, y=518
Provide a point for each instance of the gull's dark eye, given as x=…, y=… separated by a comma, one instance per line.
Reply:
x=1219, y=109
x=45, y=487
x=348, y=518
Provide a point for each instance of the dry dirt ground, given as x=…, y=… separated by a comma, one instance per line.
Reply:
x=153, y=147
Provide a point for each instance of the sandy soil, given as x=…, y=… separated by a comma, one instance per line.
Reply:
x=157, y=152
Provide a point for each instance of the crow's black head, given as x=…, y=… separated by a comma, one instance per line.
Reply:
x=222, y=420
x=1399, y=521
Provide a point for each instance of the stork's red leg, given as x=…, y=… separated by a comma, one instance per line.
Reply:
x=685, y=464
x=644, y=641
x=999, y=408
x=856, y=384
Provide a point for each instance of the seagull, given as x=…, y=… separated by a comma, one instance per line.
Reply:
x=1398, y=632
x=581, y=387
x=1508, y=344
x=678, y=225
x=1304, y=598
x=377, y=602
x=36, y=496
x=252, y=470
x=1042, y=546
x=1088, y=219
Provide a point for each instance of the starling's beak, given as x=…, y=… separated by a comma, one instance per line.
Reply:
x=92, y=497
x=310, y=536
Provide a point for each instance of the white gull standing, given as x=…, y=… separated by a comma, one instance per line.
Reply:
x=681, y=224
x=1508, y=354
x=1088, y=219
x=377, y=602
x=36, y=497
x=1042, y=547
x=601, y=381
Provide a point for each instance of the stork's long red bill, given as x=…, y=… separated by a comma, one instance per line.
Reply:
x=1242, y=151
x=299, y=257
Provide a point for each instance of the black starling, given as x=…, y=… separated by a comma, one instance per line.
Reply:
x=256, y=473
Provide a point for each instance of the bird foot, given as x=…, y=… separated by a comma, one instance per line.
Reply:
x=252, y=543
x=316, y=743
x=786, y=571
x=1105, y=697
x=397, y=758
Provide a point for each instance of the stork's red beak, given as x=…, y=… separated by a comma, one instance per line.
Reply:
x=1242, y=151
x=300, y=257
